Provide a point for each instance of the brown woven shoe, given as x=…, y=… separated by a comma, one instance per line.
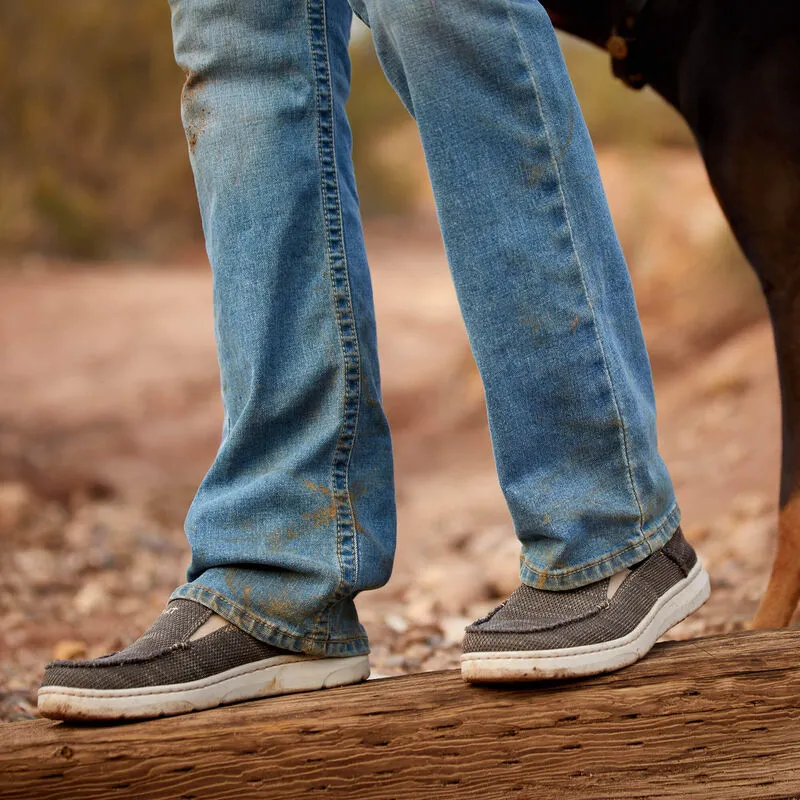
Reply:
x=538, y=634
x=190, y=659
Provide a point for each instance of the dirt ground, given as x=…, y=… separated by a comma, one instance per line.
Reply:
x=110, y=414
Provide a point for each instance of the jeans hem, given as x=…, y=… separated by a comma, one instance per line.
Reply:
x=598, y=569
x=270, y=631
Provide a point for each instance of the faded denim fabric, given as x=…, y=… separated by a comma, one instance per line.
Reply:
x=296, y=515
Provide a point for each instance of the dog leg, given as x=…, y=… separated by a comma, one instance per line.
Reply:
x=783, y=591
x=742, y=109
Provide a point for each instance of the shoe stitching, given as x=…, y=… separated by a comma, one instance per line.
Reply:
x=551, y=627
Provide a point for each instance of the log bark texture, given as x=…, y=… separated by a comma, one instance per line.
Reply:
x=708, y=718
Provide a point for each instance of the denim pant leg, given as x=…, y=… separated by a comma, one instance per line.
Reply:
x=541, y=280
x=296, y=514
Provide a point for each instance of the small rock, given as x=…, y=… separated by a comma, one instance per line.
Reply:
x=419, y=609
x=394, y=622
x=16, y=500
x=422, y=634
x=39, y=566
x=751, y=505
x=452, y=584
x=453, y=629
x=497, y=551
x=91, y=597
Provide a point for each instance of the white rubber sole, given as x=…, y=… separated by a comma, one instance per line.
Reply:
x=272, y=676
x=680, y=601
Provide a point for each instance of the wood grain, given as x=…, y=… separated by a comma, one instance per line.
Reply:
x=709, y=718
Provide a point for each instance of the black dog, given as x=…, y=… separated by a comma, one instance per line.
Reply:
x=732, y=69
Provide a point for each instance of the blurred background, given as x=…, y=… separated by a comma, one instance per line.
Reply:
x=109, y=398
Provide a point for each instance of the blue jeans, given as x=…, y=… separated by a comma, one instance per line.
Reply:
x=297, y=513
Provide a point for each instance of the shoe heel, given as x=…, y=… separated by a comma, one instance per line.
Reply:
x=688, y=600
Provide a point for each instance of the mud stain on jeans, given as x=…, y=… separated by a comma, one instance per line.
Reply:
x=316, y=487
x=321, y=516
x=278, y=539
x=229, y=582
x=281, y=609
x=325, y=514
x=531, y=323
x=195, y=114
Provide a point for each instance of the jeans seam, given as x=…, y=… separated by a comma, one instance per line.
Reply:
x=622, y=434
x=610, y=557
x=342, y=300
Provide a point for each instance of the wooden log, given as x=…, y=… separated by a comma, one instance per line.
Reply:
x=709, y=718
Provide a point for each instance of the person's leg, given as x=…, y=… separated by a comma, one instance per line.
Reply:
x=542, y=284
x=296, y=514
